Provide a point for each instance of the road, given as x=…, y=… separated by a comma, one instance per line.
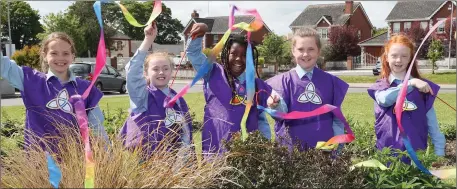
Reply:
x=353, y=88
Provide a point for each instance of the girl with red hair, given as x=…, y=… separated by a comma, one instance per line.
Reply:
x=419, y=117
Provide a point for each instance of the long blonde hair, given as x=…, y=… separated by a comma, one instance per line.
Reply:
x=44, y=47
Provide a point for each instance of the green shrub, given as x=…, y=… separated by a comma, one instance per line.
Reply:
x=265, y=164
x=448, y=130
x=399, y=174
x=28, y=56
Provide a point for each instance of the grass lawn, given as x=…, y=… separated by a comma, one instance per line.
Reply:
x=358, y=106
x=439, y=78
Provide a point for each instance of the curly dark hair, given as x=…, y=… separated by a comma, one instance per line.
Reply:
x=241, y=40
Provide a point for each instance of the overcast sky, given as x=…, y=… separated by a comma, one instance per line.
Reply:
x=276, y=14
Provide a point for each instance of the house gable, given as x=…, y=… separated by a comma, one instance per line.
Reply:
x=313, y=13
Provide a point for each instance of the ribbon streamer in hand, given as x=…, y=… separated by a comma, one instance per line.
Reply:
x=78, y=101
x=399, y=109
x=442, y=174
x=332, y=142
x=204, y=69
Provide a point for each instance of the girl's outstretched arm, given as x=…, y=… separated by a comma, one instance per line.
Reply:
x=196, y=56
x=136, y=83
x=12, y=72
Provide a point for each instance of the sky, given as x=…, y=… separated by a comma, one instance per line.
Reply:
x=277, y=15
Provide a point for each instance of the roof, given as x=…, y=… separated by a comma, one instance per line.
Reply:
x=314, y=13
x=120, y=35
x=405, y=10
x=169, y=48
x=378, y=40
x=219, y=24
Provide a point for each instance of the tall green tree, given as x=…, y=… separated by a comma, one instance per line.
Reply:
x=169, y=28
x=435, y=52
x=25, y=24
x=68, y=24
x=83, y=11
x=276, y=48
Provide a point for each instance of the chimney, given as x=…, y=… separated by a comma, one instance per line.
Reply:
x=348, y=7
x=195, y=14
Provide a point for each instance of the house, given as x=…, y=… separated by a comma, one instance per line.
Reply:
x=121, y=46
x=323, y=16
x=405, y=15
x=217, y=26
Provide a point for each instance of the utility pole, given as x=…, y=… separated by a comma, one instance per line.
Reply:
x=450, y=36
x=9, y=29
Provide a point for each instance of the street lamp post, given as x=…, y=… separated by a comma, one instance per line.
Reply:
x=450, y=36
x=9, y=29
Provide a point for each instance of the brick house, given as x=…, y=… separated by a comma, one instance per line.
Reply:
x=323, y=16
x=217, y=26
x=408, y=14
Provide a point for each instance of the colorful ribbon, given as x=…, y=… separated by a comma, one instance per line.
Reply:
x=80, y=110
x=399, y=109
x=332, y=142
x=250, y=68
x=81, y=116
x=204, y=69
x=155, y=13
x=54, y=172
x=442, y=174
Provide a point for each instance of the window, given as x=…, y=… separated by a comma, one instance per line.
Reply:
x=424, y=25
x=104, y=70
x=80, y=68
x=440, y=28
x=112, y=71
x=359, y=34
x=396, y=27
x=215, y=39
x=407, y=26
x=323, y=33
x=119, y=46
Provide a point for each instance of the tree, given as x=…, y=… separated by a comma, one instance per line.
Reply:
x=273, y=48
x=378, y=31
x=25, y=24
x=169, y=28
x=28, y=56
x=435, y=52
x=417, y=34
x=68, y=24
x=114, y=21
x=343, y=42
x=83, y=11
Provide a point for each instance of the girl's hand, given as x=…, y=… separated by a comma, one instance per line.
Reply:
x=273, y=101
x=198, y=30
x=422, y=86
x=150, y=32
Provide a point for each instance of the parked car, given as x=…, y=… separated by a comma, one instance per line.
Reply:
x=377, y=68
x=108, y=80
